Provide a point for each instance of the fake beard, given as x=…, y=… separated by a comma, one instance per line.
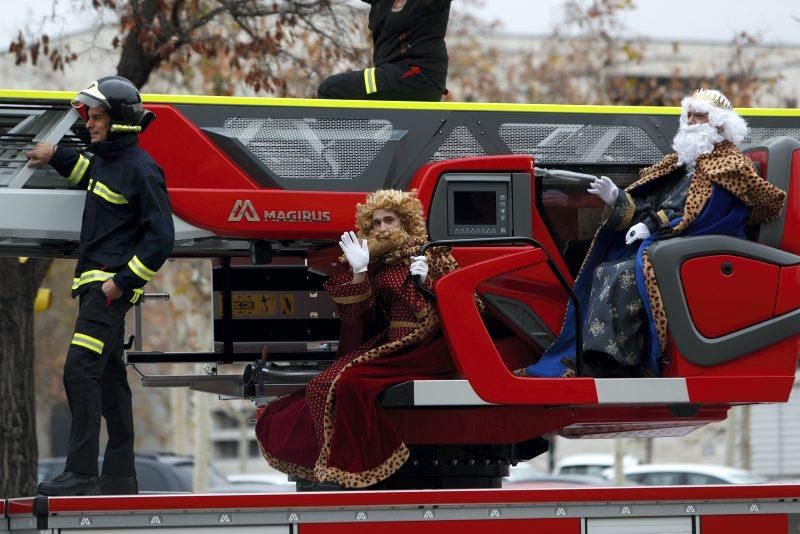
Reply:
x=384, y=242
x=692, y=141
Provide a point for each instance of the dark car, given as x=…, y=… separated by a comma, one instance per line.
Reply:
x=166, y=473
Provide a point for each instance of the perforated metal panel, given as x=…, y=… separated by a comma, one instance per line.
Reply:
x=459, y=144
x=323, y=149
x=759, y=135
x=580, y=143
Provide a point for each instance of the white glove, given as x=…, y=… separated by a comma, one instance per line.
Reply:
x=604, y=188
x=419, y=266
x=637, y=231
x=357, y=255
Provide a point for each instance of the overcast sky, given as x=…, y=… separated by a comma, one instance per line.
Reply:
x=770, y=20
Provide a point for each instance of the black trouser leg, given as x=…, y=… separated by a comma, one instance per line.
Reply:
x=98, y=329
x=387, y=82
x=344, y=86
x=118, y=413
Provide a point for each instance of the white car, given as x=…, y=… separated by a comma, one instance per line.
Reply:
x=687, y=474
x=268, y=482
x=591, y=464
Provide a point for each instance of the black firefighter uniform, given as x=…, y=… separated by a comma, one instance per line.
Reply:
x=126, y=235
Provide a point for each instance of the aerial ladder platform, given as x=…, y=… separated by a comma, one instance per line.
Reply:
x=265, y=187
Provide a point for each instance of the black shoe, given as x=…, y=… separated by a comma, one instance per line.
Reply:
x=69, y=483
x=118, y=485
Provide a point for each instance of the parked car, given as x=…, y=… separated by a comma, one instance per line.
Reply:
x=591, y=464
x=165, y=472
x=545, y=480
x=688, y=474
x=277, y=481
x=524, y=475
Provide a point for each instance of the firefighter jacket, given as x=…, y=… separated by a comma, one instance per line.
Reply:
x=411, y=32
x=127, y=231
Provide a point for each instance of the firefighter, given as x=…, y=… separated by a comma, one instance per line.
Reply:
x=409, y=54
x=126, y=235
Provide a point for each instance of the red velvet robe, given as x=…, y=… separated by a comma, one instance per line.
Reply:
x=335, y=430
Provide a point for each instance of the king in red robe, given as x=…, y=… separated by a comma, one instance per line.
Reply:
x=335, y=430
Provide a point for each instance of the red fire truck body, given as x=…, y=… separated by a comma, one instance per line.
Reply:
x=266, y=186
x=624, y=510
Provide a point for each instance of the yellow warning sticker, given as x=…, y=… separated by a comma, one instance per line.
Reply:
x=257, y=305
x=287, y=304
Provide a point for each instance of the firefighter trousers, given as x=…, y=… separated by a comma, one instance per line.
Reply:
x=96, y=383
x=386, y=82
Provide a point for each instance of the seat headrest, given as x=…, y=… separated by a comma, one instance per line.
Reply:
x=775, y=161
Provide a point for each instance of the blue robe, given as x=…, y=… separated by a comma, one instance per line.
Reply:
x=723, y=214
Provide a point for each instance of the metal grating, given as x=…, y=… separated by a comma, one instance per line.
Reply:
x=759, y=135
x=581, y=143
x=318, y=149
x=459, y=144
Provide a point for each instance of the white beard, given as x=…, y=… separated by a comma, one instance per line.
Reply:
x=693, y=141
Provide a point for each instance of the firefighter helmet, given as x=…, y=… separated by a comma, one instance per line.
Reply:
x=120, y=98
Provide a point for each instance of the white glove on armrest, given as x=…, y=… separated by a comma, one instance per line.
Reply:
x=635, y=232
x=419, y=266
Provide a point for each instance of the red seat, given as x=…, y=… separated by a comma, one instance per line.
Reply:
x=733, y=306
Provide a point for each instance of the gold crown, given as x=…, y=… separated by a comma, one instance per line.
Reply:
x=713, y=97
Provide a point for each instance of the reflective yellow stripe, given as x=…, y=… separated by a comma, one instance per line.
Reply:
x=88, y=277
x=369, y=80
x=79, y=169
x=65, y=97
x=100, y=189
x=140, y=270
x=88, y=342
x=126, y=128
x=137, y=294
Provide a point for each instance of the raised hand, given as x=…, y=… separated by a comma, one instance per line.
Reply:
x=41, y=154
x=357, y=254
x=604, y=188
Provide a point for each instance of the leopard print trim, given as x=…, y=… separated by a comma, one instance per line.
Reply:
x=667, y=165
x=366, y=478
x=699, y=193
x=287, y=467
x=403, y=324
x=426, y=328
x=424, y=312
x=727, y=167
x=656, y=303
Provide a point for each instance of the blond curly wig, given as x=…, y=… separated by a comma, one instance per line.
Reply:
x=404, y=204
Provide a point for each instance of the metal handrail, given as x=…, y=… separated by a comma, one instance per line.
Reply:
x=506, y=240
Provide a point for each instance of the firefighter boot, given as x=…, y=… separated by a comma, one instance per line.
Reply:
x=69, y=483
x=118, y=485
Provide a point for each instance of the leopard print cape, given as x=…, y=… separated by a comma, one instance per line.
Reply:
x=727, y=167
